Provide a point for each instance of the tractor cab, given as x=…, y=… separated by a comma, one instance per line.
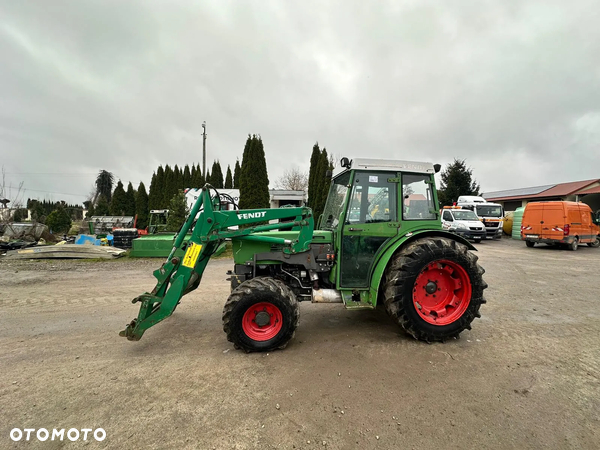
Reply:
x=371, y=205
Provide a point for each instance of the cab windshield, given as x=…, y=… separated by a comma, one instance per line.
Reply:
x=465, y=215
x=335, y=202
x=489, y=211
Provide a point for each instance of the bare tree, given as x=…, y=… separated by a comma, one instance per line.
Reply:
x=334, y=160
x=12, y=196
x=293, y=180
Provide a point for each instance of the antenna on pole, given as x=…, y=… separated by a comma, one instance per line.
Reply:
x=204, y=150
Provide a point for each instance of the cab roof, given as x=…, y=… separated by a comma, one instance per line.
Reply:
x=393, y=165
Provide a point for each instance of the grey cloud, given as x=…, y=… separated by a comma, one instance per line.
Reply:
x=512, y=87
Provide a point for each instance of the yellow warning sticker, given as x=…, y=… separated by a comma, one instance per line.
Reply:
x=191, y=255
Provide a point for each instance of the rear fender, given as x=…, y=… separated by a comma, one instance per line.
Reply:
x=386, y=256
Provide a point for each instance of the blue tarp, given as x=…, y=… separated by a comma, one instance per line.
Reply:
x=91, y=239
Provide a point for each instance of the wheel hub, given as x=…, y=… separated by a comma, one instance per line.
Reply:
x=431, y=287
x=262, y=318
x=262, y=321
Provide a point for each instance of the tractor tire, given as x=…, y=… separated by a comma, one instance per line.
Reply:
x=261, y=315
x=433, y=288
x=595, y=244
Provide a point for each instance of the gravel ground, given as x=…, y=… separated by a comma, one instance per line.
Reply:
x=526, y=376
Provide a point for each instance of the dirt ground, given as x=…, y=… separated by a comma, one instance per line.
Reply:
x=526, y=376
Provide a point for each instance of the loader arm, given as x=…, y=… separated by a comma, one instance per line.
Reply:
x=210, y=226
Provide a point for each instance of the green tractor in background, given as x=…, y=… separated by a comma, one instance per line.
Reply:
x=379, y=240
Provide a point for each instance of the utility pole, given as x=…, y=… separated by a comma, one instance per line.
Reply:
x=204, y=150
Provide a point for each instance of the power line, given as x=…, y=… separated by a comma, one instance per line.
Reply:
x=51, y=173
x=48, y=192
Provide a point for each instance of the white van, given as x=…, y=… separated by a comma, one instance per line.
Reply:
x=463, y=222
x=491, y=214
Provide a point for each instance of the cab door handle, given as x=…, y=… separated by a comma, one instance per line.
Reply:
x=355, y=229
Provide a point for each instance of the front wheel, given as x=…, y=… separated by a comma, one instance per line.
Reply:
x=595, y=244
x=434, y=288
x=529, y=244
x=261, y=315
x=573, y=245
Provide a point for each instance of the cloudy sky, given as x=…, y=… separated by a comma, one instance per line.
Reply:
x=512, y=87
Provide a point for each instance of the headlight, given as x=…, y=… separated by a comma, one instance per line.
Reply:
x=461, y=226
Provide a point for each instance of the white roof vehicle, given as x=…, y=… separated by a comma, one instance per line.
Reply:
x=463, y=222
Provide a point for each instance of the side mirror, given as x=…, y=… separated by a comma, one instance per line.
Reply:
x=345, y=162
x=329, y=174
x=437, y=167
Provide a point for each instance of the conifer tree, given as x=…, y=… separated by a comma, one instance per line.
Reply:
x=315, y=159
x=318, y=182
x=178, y=211
x=157, y=185
x=228, y=179
x=118, y=203
x=130, y=207
x=187, y=177
x=325, y=181
x=104, y=184
x=254, y=180
x=192, y=174
x=102, y=207
x=169, y=187
x=236, y=174
x=216, y=178
x=178, y=177
x=141, y=207
x=457, y=180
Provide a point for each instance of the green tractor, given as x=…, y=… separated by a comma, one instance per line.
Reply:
x=379, y=241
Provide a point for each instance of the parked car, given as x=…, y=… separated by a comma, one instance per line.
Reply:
x=490, y=214
x=555, y=223
x=463, y=222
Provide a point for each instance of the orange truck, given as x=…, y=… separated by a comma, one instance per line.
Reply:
x=556, y=223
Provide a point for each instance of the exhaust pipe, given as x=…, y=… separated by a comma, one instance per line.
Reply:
x=326, y=296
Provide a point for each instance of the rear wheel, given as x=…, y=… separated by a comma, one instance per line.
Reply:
x=573, y=245
x=529, y=244
x=261, y=315
x=434, y=288
x=595, y=243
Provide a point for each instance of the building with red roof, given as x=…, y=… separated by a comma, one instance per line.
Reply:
x=587, y=191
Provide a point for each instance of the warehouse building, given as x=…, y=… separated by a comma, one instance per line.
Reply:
x=587, y=191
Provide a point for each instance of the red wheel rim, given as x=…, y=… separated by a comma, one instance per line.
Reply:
x=442, y=292
x=262, y=321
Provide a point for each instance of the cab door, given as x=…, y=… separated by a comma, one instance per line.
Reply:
x=447, y=219
x=554, y=221
x=371, y=219
x=587, y=230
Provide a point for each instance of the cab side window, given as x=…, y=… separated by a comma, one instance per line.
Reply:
x=373, y=199
x=417, y=198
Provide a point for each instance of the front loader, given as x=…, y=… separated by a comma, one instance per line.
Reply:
x=379, y=240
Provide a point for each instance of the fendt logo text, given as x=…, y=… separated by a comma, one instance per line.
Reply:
x=255, y=215
x=42, y=434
